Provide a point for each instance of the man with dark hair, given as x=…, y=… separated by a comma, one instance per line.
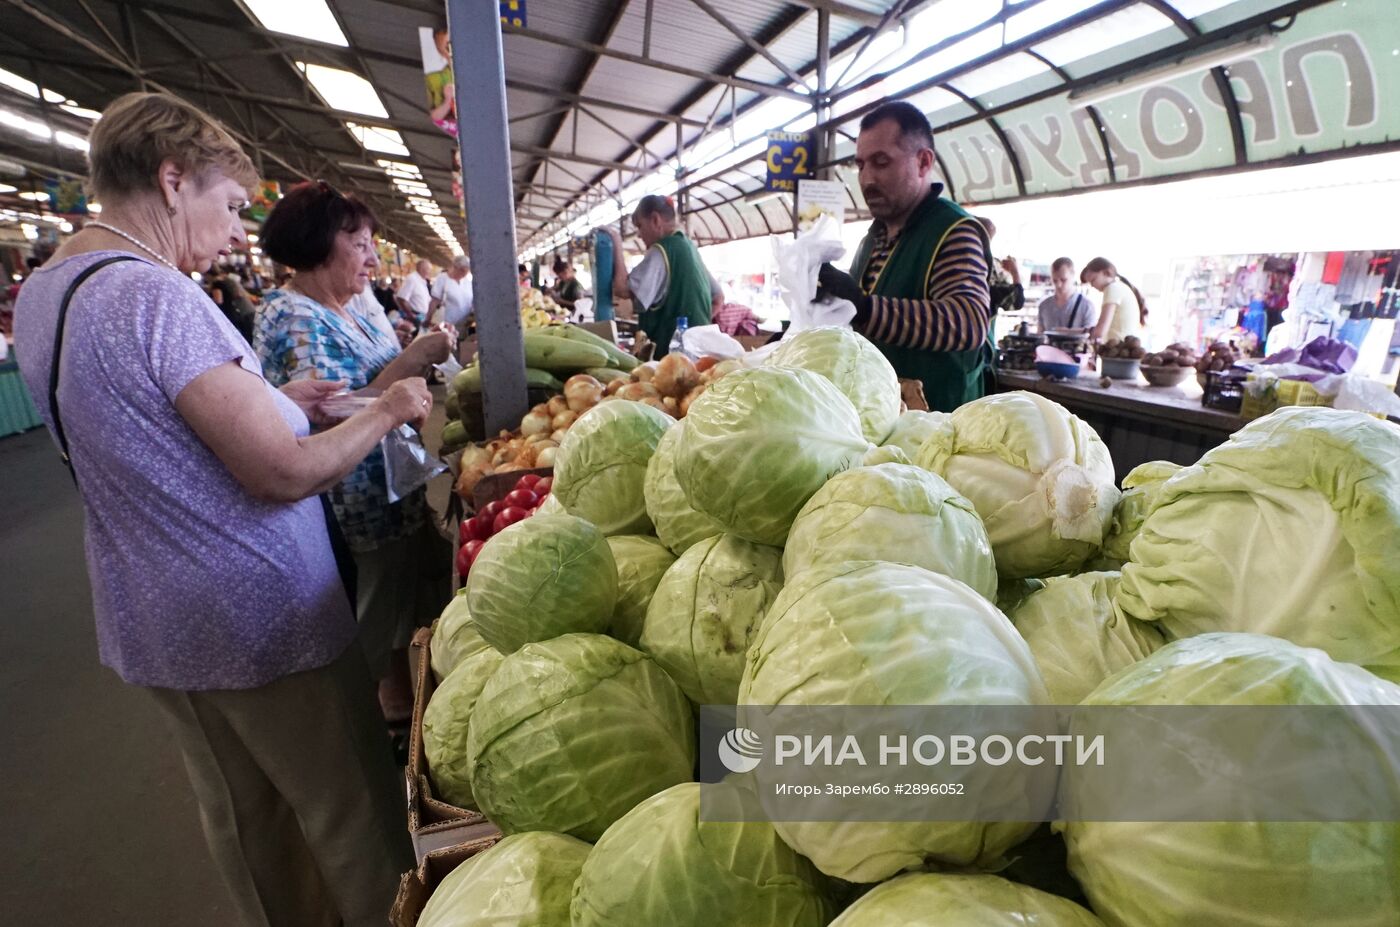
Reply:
x=671, y=282
x=920, y=280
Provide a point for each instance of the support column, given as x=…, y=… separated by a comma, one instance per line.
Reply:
x=824, y=138
x=478, y=68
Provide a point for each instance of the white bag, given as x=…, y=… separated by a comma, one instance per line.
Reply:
x=798, y=263
x=708, y=339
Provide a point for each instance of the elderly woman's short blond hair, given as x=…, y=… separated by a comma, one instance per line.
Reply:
x=140, y=130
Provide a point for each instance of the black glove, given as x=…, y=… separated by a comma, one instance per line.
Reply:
x=835, y=284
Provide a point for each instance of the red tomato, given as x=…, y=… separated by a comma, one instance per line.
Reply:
x=544, y=486
x=491, y=509
x=472, y=549
x=528, y=481
x=464, y=560
x=539, y=501
x=508, y=516
x=522, y=498
x=476, y=528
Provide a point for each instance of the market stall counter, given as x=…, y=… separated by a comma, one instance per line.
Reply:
x=1138, y=422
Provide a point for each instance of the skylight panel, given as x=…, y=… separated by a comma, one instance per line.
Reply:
x=378, y=138
x=307, y=19
x=344, y=90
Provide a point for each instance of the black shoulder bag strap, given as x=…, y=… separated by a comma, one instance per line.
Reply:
x=1074, y=312
x=57, y=359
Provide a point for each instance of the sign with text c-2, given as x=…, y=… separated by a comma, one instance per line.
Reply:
x=513, y=13
x=789, y=160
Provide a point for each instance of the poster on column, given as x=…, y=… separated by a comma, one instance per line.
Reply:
x=817, y=198
x=437, y=76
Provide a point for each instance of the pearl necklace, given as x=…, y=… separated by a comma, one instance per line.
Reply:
x=137, y=242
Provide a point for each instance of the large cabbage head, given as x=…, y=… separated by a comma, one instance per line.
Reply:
x=661, y=864
x=572, y=733
x=678, y=524
x=891, y=634
x=455, y=637
x=1141, y=487
x=893, y=512
x=759, y=443
x=602, y=464
x=1290, y=528
x=937, y=899
x=704, y=611
x=526, y=880
x=855, y=366
x=542, y=577
x=912, y=430
x=641, y=562
x=1077, y=638
x=446, y=720
x=1040, y=478
x=1245, y=874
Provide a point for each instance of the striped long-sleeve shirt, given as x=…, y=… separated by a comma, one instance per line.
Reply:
x=953, y=316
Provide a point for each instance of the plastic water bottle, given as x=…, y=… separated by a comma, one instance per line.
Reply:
x=678, y=339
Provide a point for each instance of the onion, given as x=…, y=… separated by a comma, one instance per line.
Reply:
x=638, y=391
x=473, y=456
x=676, y=375
x=724, y=367
x=656, y=403
x=545, y=458
x=558, y=436
x=504, y=455
x=536, y=421
x=706, y=362
x=644, y=373
x=614, y=386
x=557, y=404
x=563, y=420
x=691, y=397
x=582, y=392
x=671, y=404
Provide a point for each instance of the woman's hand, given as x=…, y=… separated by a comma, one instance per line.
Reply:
x=432, y=347
x=309, y=394
x=407, y=402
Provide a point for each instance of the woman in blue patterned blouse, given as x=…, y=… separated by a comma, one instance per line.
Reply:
x=313, y=328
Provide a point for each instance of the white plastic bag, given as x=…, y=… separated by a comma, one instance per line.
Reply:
x=798, y=263
x=1356, y=393
x=708, y=339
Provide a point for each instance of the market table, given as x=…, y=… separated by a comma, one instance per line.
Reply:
x=17, y=412
x=1138, y=422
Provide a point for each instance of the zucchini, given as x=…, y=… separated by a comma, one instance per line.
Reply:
x=618, y=359
x=547, y=352
x=454, y=434
x=606, y=375
x=543, y=379
x=469, y=380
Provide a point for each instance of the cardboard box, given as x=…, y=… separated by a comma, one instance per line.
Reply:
x=416, y=887
x=432, y=824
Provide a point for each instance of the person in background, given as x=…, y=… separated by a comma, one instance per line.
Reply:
x=737, y=319
x=523, y=274
x=1124, y=310
x=921, y=275
x=413, y=297
x=1007, y=293
x=228, y=295
x=1065, y=307
x=452, y=294
x=310, y=331
x=215, y=580
x=671, y=281
x=567, y=289
x=383, y=289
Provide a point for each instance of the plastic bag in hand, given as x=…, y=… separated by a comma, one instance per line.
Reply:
x=798, y=263
x=407, y=463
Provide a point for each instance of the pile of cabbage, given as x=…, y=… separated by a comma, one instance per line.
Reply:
x=798, y=539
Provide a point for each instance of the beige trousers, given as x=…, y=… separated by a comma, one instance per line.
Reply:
x=300, y=800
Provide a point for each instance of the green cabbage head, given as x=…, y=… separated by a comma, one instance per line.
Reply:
x=894, y=512
x=455, y=637
x=677, y=523
x=1040, y=478
x=551, y=506
x=855, y=366
x=661, y=864
x=891, y=634
x=1244, y=874
x=1141, y=487
x=641, y=562
x=1290, y=528
x=1076, y=637
x=705, y=610
x=542, y=577
x=602, y=464
x=936, y=899
x=526, y=880
x=572, y=733
x=759, y=443
x=446, y=721
x=913, y=429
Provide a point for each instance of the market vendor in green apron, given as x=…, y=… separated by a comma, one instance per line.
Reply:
x=671, y=281
x=920, y=280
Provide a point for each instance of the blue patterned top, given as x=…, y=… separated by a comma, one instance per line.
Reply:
x=297, y=338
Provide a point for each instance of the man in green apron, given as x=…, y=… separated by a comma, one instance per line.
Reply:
x=671, y=282
x=920, y=280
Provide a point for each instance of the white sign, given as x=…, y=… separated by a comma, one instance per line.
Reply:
x=816, y=198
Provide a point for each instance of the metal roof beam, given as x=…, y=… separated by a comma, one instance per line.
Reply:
x=844, y=10
x=752, y=43
x=604, y=51
x=550, y=154
x=561, y=96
